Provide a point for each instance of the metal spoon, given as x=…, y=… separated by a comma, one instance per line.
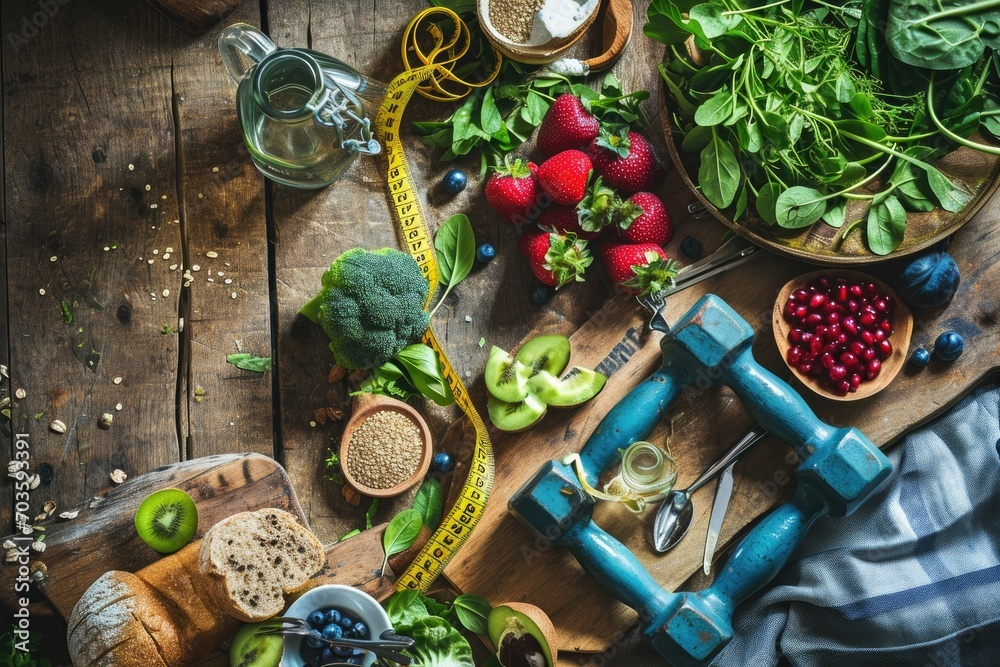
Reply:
x=674, y=516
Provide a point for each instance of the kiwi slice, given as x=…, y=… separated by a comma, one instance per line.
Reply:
x=249, y=649
x=545, y=353
x=506, y=378
x=515, y=416
x=574, y=388
x=167, y=520
x=523, y=634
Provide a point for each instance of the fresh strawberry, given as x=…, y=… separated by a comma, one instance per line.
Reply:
x=598, y=208
x=643, y=218
x=555, y=259
x=564, y=176
x=512, y=190
x=565, y=219
x=638, y=268
x=566, y=125
x=624, y=159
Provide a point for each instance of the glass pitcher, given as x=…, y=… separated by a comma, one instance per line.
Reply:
x=305, y=115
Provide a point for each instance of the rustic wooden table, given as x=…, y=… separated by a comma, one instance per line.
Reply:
x=124, y=168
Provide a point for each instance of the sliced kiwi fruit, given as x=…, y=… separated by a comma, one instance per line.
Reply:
x=506, y=377
x=248, y=649
x=545, y=353
x=167, y=520
x=523, y=635
x=577, y=386
x=515, y=416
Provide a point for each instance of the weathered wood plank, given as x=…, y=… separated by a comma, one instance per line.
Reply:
x=226, y=309
x=88, y=153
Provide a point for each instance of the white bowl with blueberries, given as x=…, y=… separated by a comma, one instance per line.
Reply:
x=334, y=611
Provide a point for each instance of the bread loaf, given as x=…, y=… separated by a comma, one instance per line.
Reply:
x=173, y=613
x=252, y=559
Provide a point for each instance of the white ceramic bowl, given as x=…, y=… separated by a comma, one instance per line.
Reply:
x=358, y=604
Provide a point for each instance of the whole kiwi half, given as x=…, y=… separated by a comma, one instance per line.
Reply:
x=248, y=649
x=167, y=520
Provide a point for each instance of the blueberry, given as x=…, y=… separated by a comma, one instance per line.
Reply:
x=331, y=616
x=326, y=656
x=542, y=295
x=315, y=639
x=343, y=651
x=485, y=253
x=691, y=247
x=920, y=357
x=316, y=619
x=949, y=346
x=360, y=630
x=442, y=462
x=454, y=181
x=346, y=622
x=333, y=631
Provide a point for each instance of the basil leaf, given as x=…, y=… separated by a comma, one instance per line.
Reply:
x=429, y=501
x=886, y=225
x=489, y=115
x=719, y=174
x=249, y=362
x=799, y=207
x=370, y=514
x=472, y=611
x=455, y=246
x=424, y=370
x=400, y=534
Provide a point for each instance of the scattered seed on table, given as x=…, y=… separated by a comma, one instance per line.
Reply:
x=118, y=407
x=118, y=476
x=312, y=424
x=154, y=206
x=166, y=293
x=105, y=421
x=117, y=380
x=163, y=196
x=220, y=274
x=131, y=167
x=107, y=248
x=168, y=249
x=215, y=170
x=150, y=261
x=20, y=393
x=148, y=187
x=211, y=280
x=196, y=268
x=156, y=251
x=69, y=515
x=172, y=267
x=57, y=426
x=384, y=450
x=166, y=255
x=53, y=258
x=42, y=291
x=233, y=295
x=468, y=318
x=211, y=254
x=228, y=281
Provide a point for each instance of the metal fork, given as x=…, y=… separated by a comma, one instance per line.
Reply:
x=381, y=647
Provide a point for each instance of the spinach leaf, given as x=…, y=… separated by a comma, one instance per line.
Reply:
x=712, y=19
x=942, y=34
x=719, y=173
x=400, y=534
x=425, y=373
x=370, y=514
x=472, y=611
x=799, y=206
x=886, y=225
x=455, y=247
x=429, y=501
x=249, y=362
x=716, y=110
x=766, y=200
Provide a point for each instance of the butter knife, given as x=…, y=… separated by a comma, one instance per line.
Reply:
x=723, y=492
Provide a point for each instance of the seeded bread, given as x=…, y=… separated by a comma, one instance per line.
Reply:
x=252, y=559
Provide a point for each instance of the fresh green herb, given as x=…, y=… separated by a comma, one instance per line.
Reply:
x=349, y=535
x=472, y=611
x=39, y=415
x=249, y=362
x=166, y=330
x=17, y=652
x=482, y=341
x=432, y=625
x=424, y=371
x=67, y=312
x=429, y=502
x=455, y=247
x=331, y=465
x=370, y=514
x=793, y=107
x=400, y=534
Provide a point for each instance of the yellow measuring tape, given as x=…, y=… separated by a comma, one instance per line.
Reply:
x=429, y=80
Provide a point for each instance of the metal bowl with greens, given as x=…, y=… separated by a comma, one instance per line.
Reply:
x=835, y=119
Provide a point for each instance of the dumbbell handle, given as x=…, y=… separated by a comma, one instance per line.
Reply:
x=632, y=419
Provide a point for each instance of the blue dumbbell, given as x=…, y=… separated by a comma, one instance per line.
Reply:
x=840, y=467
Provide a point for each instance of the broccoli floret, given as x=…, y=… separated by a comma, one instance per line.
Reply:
x=371, y=306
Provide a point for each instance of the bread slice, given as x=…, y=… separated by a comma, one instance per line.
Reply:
x=252, y=559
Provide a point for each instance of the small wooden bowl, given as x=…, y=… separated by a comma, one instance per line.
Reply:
x=902, y=328
x=365, y=405
x=532, y=55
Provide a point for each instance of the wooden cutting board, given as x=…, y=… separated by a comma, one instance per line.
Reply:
x=503, y=562
x=102, y=537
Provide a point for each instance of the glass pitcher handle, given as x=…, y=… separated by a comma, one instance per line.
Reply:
x=239, y=43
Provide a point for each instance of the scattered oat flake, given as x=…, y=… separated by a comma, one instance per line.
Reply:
x=163, y=196
x=228, y=281
x=313, y=424
x=195, y=267
x=131, y=167
x=233, y=295
x=211, y=280
x=172, y=267
x=211, y=254
x=20, y=393
x=118, y=407
x=118, y=476
x=154, y=206
x=69, y=515
x=168, y=249
x=38, y=546
x=220, y=274
x=117, y=380
x=53, y=258
x=166, y=255
x=215, y=169
x=148, y=187
x=166, y=293
x=41, y=291
x=58, y=426
x=107, y=248
x=150, y=261
x=34, y=481
x=156, y=251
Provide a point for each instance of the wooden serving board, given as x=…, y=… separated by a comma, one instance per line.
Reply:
x=102, y=537
x=504, y=563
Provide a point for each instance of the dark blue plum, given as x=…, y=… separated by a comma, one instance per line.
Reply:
x=920, y=357
x=949, y=346
x=930, y=280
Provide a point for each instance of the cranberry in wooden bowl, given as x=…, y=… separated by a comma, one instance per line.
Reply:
x=842, y=333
